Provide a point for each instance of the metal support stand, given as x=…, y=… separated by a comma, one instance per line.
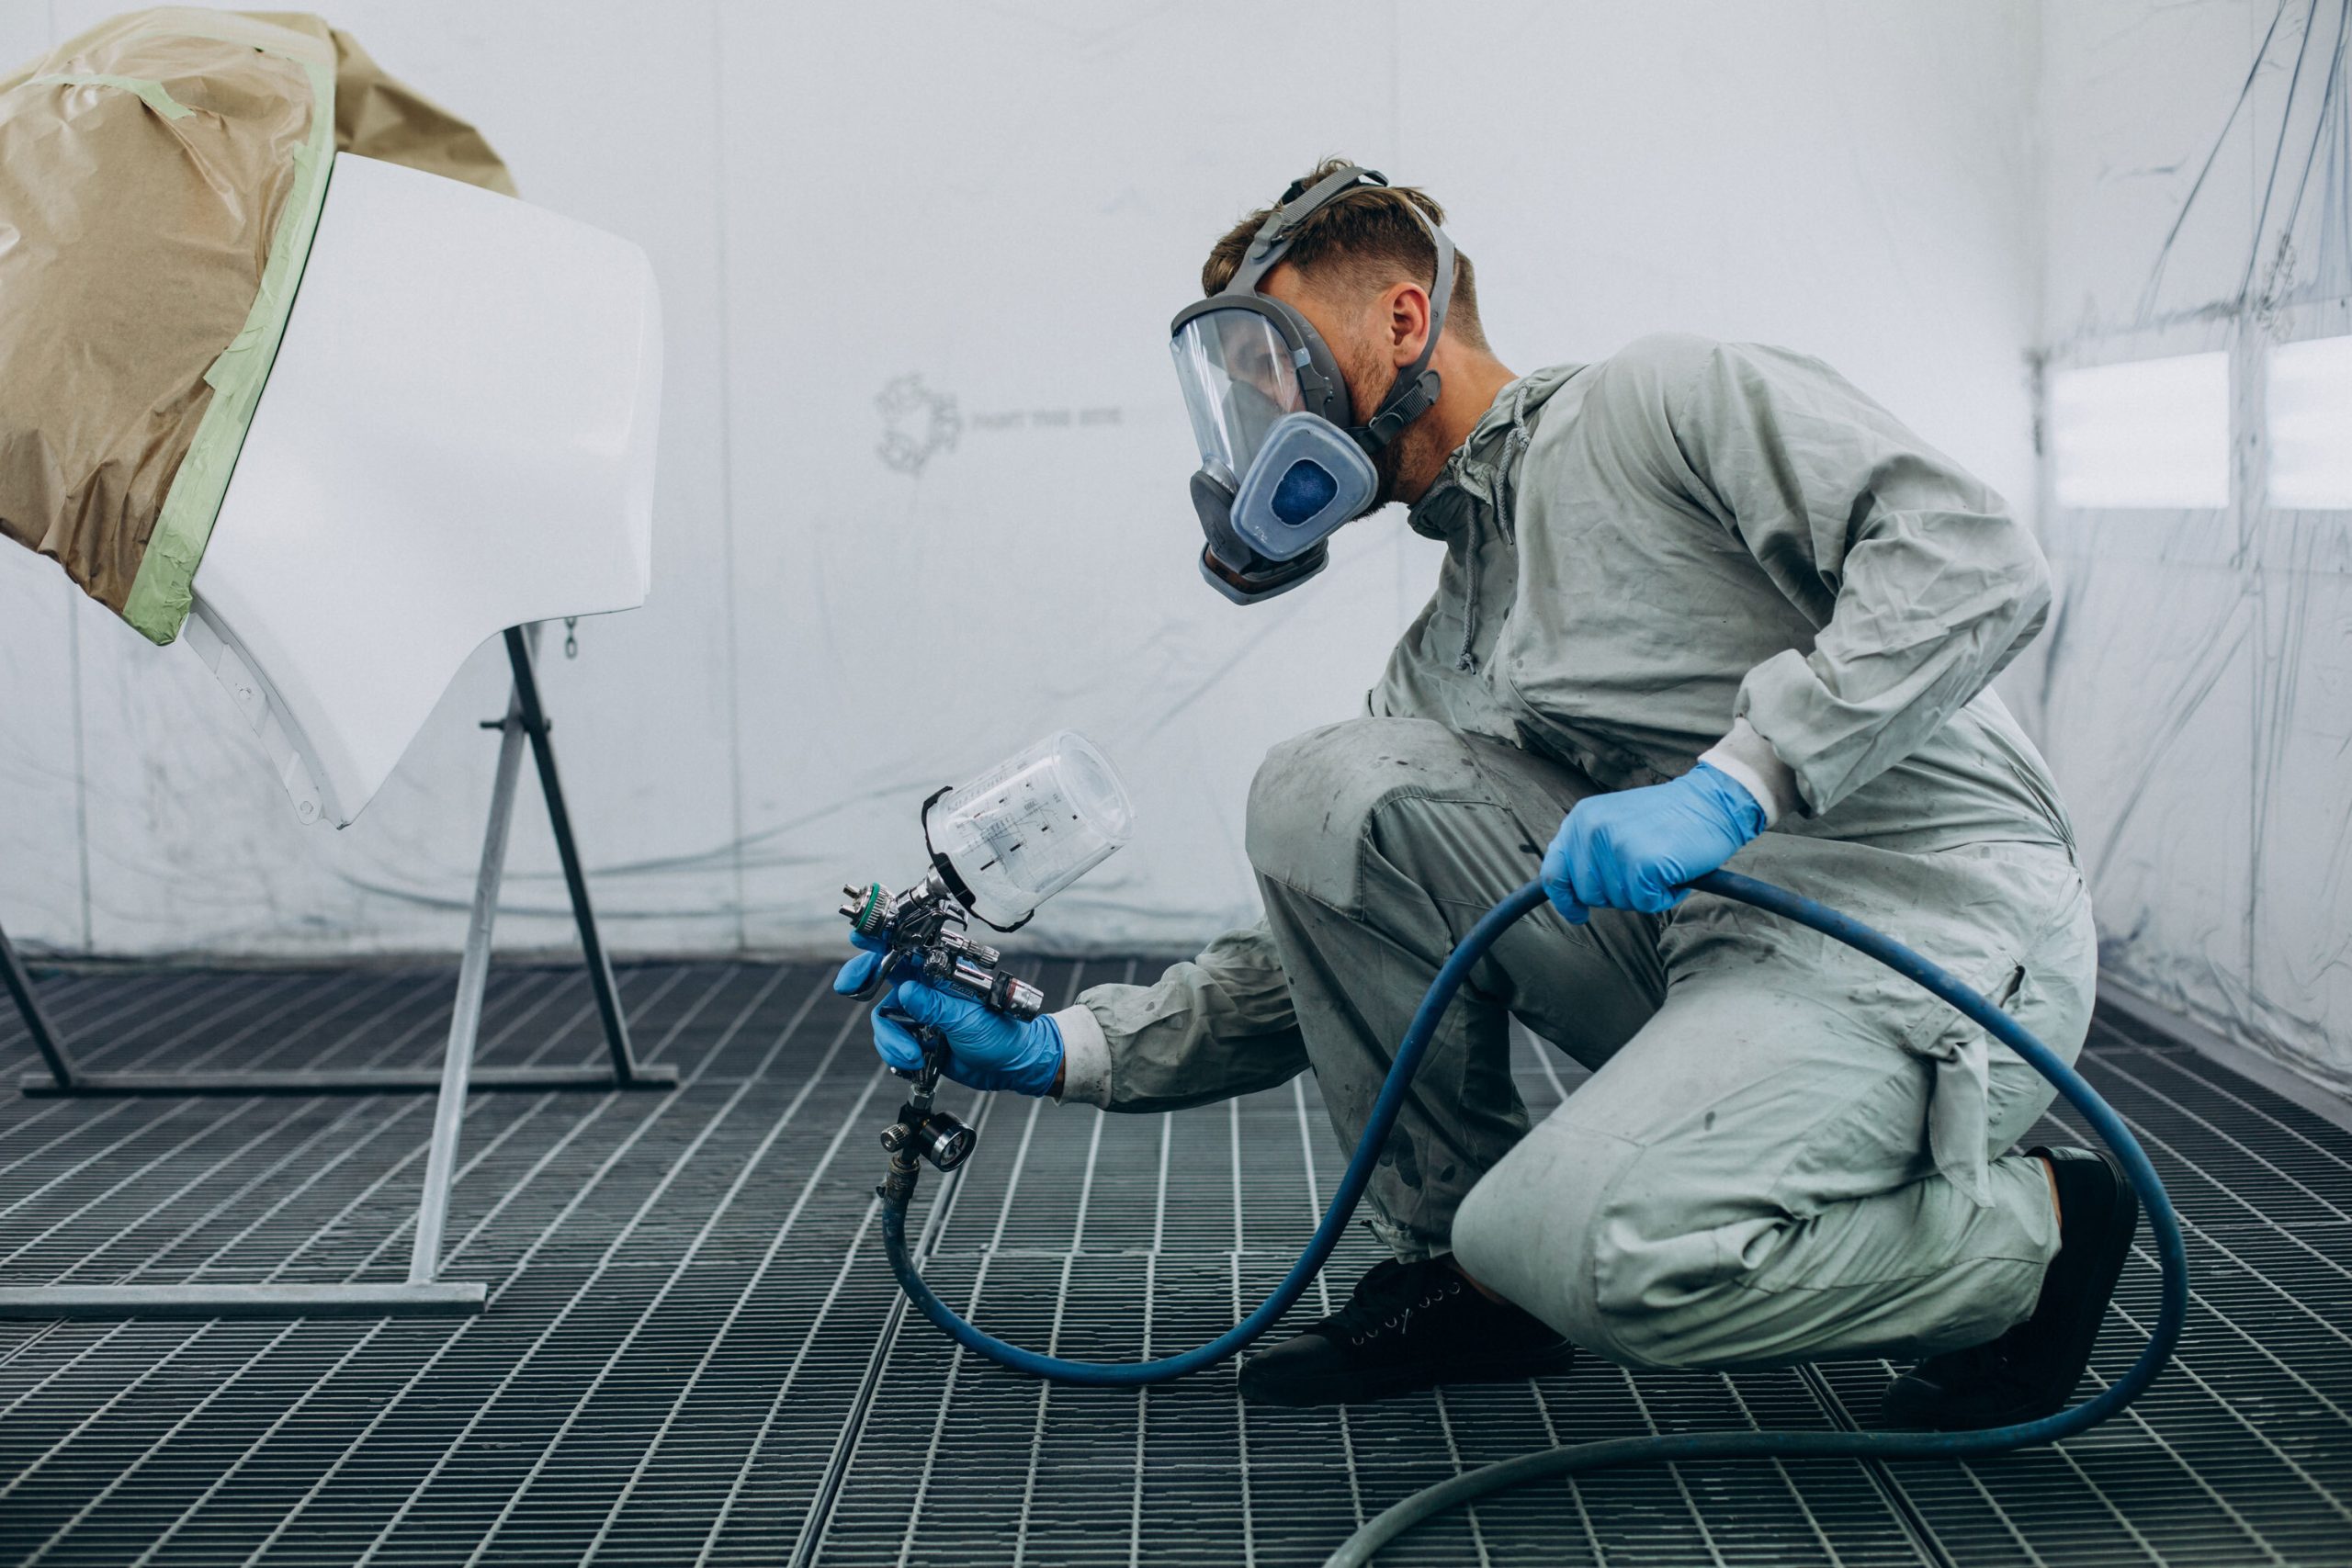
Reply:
x=20, y=985
x=423, y=1294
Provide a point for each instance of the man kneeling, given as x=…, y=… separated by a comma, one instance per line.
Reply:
x=1702, y=602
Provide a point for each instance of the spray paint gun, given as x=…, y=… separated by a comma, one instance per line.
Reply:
x=1000, y=847
x=925, y=928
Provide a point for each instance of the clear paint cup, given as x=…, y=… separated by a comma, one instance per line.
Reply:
x=1030, y=827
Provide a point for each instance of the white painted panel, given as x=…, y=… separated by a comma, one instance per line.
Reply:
x=458, y=436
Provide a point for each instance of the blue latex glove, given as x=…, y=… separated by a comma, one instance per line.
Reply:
x=986, y=1050
x=1635, y=848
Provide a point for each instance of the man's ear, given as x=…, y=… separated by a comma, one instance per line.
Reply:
x=1406, y=309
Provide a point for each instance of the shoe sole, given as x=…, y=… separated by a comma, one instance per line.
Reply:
x=2114, y=1247
x=1361, y=1388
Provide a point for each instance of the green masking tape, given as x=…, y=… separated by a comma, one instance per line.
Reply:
x=161, y=593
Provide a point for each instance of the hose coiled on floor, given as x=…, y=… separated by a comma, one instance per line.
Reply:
x=1359, y=1548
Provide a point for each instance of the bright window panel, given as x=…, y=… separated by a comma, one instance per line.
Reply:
x=2310, y=424
x=2153, y=433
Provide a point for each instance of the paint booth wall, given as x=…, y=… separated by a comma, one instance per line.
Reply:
x=922, y=476
x=2198, y=672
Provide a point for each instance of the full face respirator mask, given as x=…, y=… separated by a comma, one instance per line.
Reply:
x=1282, y=467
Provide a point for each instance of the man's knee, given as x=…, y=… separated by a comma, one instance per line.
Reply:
x=1528, y=1228
x=1584, y=1230
x=1317, y=794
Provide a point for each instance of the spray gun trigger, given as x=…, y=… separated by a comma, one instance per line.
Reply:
x=930, y=1037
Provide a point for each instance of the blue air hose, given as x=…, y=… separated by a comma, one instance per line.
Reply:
x=1780, y=1445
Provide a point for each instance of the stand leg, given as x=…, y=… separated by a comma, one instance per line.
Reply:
x=600, y=969
x=465, y=1018
x=64, y=1078
x=45, y=1040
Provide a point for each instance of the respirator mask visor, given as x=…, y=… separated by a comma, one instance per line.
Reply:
x=1282, y=465
x=1277, y=472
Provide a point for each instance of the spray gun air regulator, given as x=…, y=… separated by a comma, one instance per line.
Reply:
x=1000, y=846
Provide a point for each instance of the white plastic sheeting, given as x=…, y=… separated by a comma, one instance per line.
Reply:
x=923, y=482
x=2198, y=672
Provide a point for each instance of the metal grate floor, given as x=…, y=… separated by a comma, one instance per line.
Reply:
x=694, y=1353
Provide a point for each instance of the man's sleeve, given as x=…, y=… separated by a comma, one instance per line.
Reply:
x=1218, y=1026
x=1922, y=585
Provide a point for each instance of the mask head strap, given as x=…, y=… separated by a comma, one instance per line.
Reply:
x=1415, y=388
x=1281, y=226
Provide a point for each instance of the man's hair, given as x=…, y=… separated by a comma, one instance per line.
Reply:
x=1366, y=238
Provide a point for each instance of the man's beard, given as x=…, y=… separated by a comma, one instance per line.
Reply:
x=1385, y=461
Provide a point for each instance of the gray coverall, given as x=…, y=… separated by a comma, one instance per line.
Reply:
x=1786, y=1153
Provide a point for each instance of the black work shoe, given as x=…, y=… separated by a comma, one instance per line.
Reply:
x=1408, y=1326
x=2031, y=1371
